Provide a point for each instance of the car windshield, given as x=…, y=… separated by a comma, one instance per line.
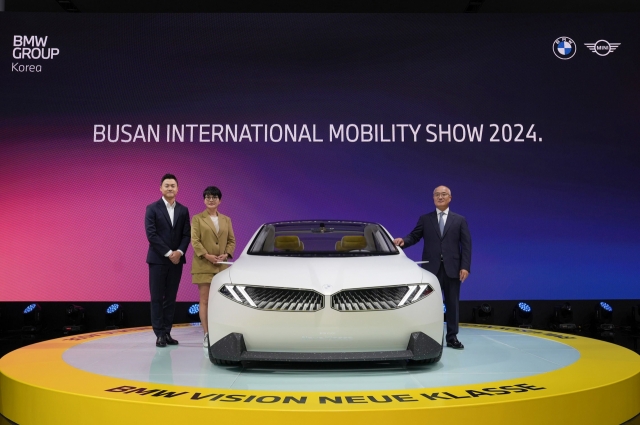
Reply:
x=322, y=239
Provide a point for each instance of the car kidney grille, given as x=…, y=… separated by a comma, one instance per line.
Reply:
x=374, y=299
x=276, y=299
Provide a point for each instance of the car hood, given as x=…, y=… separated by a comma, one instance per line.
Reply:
x=325, y=275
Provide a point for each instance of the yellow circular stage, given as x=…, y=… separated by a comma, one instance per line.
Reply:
x=63, y=381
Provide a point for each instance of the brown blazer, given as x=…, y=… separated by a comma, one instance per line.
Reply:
x=205, y=240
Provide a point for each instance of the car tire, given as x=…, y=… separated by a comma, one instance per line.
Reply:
x=225, y=362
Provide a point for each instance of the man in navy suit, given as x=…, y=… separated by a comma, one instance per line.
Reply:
x=447, y=248
x=169, y=233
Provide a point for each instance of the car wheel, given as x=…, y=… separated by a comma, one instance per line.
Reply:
x=225, y=362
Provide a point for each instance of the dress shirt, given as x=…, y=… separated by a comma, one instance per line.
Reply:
x=171, y=208
x=214, y=218
x=444, y=217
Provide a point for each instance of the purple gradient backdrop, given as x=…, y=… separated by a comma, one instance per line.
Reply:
x=75, y=219
x=551, y=220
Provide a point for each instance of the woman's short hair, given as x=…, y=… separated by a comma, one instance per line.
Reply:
x=212, y=191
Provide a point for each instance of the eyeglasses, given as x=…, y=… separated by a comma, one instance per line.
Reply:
x=439, y=194
x=211, y=198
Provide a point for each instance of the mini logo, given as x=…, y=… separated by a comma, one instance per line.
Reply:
x=602, y=47
x=564, y=48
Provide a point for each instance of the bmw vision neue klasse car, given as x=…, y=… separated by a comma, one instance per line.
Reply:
x=324, y=290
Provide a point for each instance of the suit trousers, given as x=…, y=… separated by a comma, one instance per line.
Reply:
x=164, y=280
x=451, y=292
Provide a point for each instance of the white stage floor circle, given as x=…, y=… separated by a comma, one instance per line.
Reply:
x=489, y=355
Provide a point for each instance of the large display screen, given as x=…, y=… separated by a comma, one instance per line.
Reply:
x=530, y=120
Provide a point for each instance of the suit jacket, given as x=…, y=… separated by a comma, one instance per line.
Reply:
x=454, y=246
x=162, y=235
x=205, y=240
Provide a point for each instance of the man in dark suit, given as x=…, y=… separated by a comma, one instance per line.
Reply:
x=168, y=231
x=447, y=248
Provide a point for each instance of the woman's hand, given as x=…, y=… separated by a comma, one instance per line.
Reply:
x=212, y=258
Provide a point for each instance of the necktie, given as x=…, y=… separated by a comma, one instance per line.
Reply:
x=441, y=223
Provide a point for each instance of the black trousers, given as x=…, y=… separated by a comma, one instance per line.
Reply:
x=451, y=292
x=163, y=286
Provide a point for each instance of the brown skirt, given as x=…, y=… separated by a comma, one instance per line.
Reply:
x=200, y=278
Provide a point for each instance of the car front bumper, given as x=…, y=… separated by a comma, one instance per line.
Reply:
x=232, y=348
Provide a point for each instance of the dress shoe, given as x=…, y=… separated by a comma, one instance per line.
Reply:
x=170, y=341
x=161, y=341
x=455, y=344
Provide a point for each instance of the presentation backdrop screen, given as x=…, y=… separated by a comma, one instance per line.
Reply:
x=531, y=121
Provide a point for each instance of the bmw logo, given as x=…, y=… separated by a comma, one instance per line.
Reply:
x=564, y=48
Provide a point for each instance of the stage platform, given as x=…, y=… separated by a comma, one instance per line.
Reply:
x=504, y=375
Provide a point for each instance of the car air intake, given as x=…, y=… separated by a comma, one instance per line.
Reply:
x=374, y=299
x=274, y=299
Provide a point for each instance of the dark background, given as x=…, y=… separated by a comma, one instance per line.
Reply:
x=434, y=6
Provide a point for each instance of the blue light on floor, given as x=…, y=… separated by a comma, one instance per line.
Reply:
x=194, y=309
x=29, y=308
x=606, y=306
x=113, y=308
x=524, y=307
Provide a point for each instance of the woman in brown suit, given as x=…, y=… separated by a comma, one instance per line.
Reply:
x=213, y=241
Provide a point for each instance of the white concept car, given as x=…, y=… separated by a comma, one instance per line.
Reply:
x=324, y=290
